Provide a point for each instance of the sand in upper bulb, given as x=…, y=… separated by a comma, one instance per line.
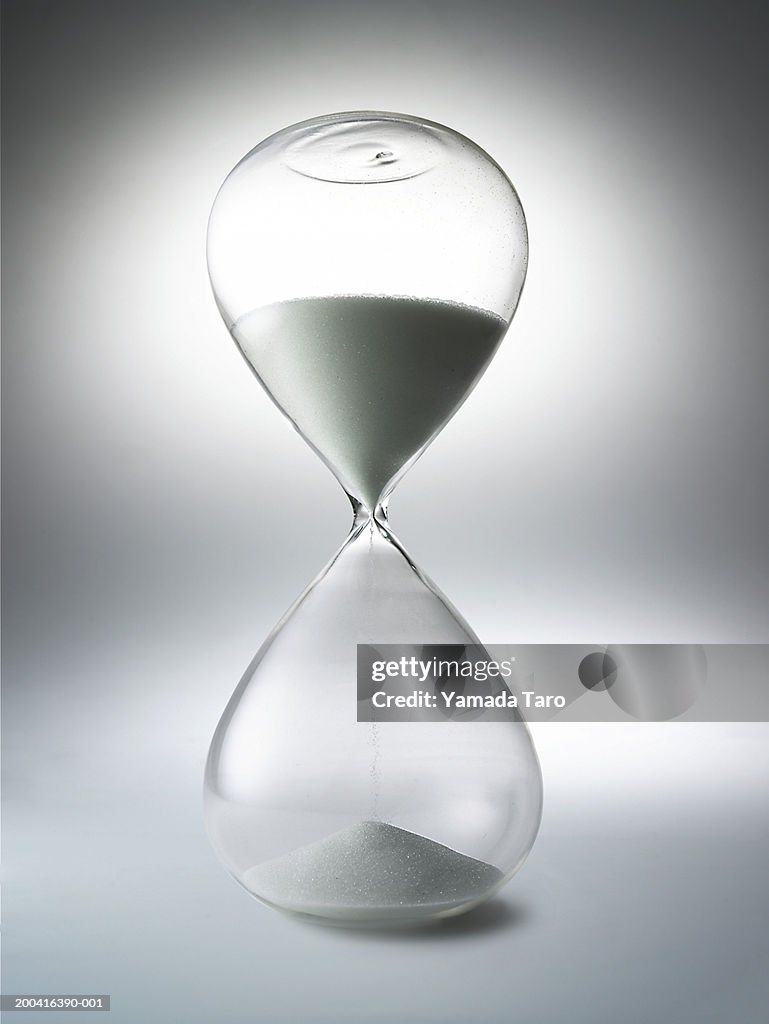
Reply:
x=372, y=870
x=368, y=379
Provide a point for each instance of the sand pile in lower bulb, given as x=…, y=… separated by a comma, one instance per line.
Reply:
x=372, y=867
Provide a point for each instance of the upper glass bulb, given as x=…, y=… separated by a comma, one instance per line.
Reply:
x=382, y=256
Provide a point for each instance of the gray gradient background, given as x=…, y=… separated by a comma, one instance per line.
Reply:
x=607, y=481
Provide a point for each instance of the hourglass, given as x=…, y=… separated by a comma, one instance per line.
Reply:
x=367, y=265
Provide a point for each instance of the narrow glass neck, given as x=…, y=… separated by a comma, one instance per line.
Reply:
x=362, y=514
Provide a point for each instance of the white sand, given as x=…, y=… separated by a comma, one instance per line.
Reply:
x=372, y=871
x=368, y=379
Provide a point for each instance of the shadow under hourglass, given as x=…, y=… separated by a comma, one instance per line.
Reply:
x=492, y=916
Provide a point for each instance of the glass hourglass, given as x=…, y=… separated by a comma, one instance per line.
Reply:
x=367, y=265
